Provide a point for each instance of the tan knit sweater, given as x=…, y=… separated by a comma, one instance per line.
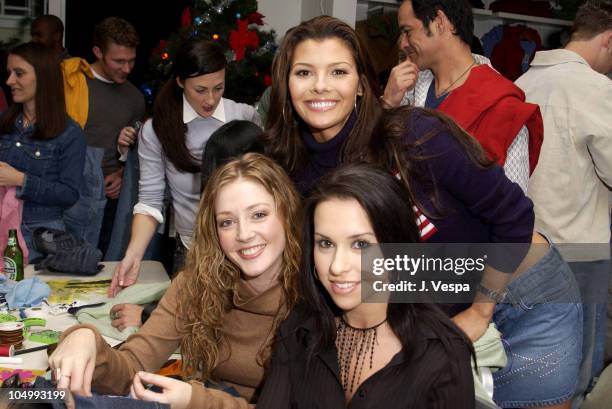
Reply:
x=246, y=330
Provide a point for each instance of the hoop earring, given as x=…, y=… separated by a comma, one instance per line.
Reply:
x=355, y=106
x=315, y=274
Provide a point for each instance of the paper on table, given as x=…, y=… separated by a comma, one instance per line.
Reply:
x=86, y=291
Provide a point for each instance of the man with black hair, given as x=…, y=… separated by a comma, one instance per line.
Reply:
x=440, y=72
x=571, y=186
x=49, y=30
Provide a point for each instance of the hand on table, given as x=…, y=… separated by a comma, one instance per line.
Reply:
x=125, y=274
x=126, y=315
x=73, y=362
x=175, y=393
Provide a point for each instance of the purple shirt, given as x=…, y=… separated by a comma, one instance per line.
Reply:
x=480, y=205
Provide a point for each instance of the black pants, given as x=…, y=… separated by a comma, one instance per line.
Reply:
x=107, y=225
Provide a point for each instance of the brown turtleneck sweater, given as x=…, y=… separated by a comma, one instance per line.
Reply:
x=246, y=329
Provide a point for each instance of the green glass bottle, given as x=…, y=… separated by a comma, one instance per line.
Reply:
x=13, y=258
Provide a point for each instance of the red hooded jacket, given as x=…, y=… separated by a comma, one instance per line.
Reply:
x=493, y=110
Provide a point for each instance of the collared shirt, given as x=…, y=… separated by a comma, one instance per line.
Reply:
x=156, y=169
x=190, y=114
x=568, y=186
x=423, y=380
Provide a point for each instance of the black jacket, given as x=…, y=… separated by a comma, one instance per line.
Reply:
x=423, y=382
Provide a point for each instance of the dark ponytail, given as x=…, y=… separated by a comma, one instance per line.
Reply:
x=195, y=57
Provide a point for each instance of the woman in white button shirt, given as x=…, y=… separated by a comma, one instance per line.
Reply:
x=188, y=109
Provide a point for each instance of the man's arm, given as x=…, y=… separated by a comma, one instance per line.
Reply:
x=403, y=78
x=516, y=166
x=599, y=139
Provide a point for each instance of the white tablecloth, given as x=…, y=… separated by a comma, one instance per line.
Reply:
x=150, y=272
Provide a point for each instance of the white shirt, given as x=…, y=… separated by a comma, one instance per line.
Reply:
x=184, y=187
x=568, y=187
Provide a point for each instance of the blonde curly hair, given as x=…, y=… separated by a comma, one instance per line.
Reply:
x=212, y=278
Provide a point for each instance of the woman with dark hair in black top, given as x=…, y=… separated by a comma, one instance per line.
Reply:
x=336, y=350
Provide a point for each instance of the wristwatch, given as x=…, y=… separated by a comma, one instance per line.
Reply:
x=490, y=294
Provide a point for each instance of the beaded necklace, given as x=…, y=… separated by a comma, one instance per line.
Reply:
x=354, y=343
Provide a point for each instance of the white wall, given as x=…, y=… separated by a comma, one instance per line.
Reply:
x=281, y=15
x=313, y=8
x=346, y=10
x=57, y=8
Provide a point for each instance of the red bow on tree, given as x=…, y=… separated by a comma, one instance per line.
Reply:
x=161, y=47
x=242, y=38
x=256, y=18
x=186, y=17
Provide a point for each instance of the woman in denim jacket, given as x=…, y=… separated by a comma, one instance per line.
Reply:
x=42, y=151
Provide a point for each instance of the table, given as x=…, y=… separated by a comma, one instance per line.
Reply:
x=150, y=272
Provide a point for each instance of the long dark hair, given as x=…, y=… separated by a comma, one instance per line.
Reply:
x=391, y=149
x=232, y=139
x=388, y=206
x=49, y=99
x=195, y=57
x=282, y=140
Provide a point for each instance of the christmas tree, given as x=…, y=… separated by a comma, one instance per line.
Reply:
x=235, y=24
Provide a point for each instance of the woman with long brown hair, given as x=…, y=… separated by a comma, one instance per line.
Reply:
x=42, y=150
x=223, y=310
x=349, y=115
x=322, y=84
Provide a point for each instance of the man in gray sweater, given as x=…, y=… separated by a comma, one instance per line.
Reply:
x=115, y=105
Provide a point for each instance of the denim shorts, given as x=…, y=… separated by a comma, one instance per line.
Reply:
x=541, y=326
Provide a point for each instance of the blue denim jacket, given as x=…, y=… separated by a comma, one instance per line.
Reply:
x=53, y=169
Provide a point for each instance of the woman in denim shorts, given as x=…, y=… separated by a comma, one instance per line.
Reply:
x=322, y=116
x=540, y=319
x=42, y=151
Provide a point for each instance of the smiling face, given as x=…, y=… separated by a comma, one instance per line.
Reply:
x=416, y=41
x=21, y=80
x=324, y=84
x=116, y=62
x=251, y=231
x=204, y=92
x=342, y=231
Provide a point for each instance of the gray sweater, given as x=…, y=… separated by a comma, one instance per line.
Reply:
x=112, y=106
